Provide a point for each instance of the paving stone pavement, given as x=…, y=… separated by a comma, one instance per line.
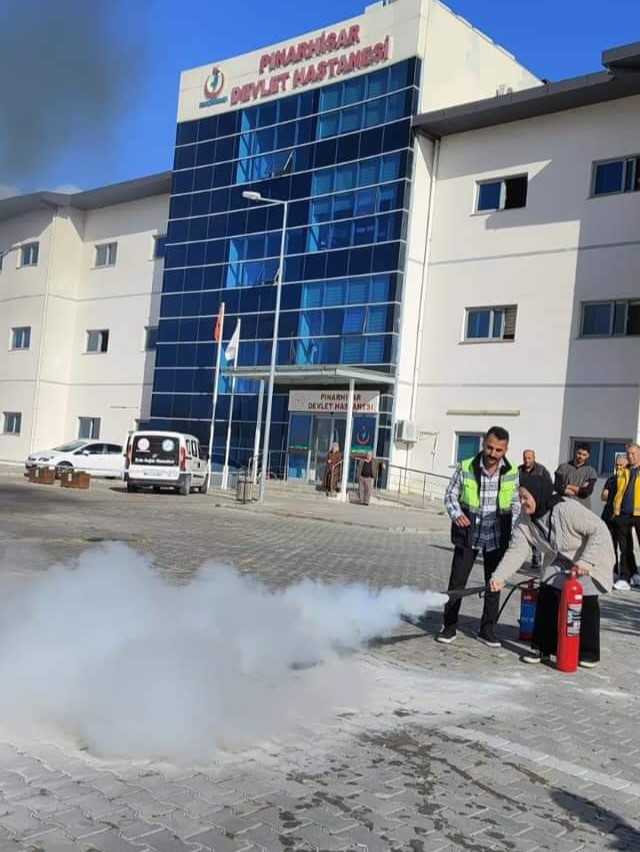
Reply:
x=455, y=748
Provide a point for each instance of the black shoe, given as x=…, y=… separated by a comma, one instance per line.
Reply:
x=488, y=637
x=447, y=635
x=534, y=656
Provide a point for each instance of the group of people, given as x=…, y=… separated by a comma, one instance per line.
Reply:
x=512, y=514
x=367, y=470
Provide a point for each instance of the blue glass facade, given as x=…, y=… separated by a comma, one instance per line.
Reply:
x=341, y=155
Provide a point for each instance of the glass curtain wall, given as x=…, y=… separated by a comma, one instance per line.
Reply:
x=342, y=155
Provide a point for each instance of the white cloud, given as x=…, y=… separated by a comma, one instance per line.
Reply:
x=70, y=188
x=8, y=191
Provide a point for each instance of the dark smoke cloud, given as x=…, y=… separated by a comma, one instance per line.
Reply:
x=65, y=66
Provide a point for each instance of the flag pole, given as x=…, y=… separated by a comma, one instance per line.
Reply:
x=231, y=356
x=225, y=469
x=216, y=381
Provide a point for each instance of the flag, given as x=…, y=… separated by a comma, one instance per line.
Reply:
x=231, y=352
x=217, y=332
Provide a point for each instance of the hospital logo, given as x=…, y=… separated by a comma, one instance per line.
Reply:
x=213, y=87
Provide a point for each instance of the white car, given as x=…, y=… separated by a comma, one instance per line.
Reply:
x=94, y=457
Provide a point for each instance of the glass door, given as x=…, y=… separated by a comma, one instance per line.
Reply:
x=326, y=430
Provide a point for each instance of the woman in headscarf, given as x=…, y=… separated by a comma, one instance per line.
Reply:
x=566, y=534
x=332, y=468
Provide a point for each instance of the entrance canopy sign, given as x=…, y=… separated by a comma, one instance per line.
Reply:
x=332, y=401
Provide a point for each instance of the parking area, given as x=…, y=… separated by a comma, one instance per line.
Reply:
x=420, y=747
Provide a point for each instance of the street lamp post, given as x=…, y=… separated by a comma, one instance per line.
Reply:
x=256, y=196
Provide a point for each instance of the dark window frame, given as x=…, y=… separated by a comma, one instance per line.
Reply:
x=511, y=193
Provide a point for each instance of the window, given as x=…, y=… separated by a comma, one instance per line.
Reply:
x=106, y=254
x=467, y=445
x=610, y=319
x=21, y=337
x=603, y=452
x=89, y=428
x=12, y=422
x=29, y=254
x=622, y=175
x=1, y=260
x=159, y=245
x=491, y=323
x=98, y=341
x=503, y=194
x=151, y=337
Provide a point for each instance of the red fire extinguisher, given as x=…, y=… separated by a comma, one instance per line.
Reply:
x=528, y=604
x=569, y=618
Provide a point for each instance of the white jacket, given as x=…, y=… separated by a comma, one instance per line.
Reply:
x=575, y=532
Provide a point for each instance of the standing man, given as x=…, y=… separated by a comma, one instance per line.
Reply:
x=626, y=517
x=482, y=502
x=530, y=467
x=368, y=469
x=576, y=478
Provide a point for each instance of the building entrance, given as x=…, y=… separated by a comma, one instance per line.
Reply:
x=310, y=437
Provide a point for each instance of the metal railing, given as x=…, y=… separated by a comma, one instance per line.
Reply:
x=415, y=487
x=395, y=482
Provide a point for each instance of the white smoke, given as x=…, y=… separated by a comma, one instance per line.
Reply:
x=108, y=653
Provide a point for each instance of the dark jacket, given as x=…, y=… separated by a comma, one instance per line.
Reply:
x=538, y=470
x=376, y=464
x=463, y=536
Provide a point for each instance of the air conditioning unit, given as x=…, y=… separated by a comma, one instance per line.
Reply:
x=407, y=431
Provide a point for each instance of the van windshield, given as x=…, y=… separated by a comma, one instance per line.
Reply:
x=158, y=450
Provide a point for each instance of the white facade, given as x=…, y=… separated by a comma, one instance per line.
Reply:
x=53, y=381
x=549, y=385
x=460, y=63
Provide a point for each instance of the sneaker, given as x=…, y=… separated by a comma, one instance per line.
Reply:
x=621, y=586
x=635, y=580
x=488, y=637
x=534, y=656
x=447, y=635
x=587, y=664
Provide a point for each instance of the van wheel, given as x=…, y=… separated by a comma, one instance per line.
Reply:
x=131, y=488
x=185, y=489
x=205, y=485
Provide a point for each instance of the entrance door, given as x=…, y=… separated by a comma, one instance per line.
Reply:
x=325, y=431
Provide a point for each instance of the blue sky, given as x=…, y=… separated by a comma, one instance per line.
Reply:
x=553, y=38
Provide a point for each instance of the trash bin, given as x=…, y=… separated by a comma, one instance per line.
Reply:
x=244, y=487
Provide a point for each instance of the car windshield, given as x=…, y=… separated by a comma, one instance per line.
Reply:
x=70, y=447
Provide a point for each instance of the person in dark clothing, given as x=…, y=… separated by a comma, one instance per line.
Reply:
x=368, y=469
x=607, y=497
x=530, y=467
x=626, y=517
x=576, y=478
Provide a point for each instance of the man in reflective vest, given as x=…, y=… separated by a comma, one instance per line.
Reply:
x=482, y=502
x=626, y=517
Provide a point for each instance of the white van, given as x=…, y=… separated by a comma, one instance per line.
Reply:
x=165, y=460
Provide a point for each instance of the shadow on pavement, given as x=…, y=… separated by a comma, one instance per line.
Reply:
x=620, y=615
x=619, y=834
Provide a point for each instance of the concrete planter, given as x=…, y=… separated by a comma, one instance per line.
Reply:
x=43, y=475
x=75, y=479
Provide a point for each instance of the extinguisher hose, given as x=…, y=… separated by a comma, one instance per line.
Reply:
x=511, y=591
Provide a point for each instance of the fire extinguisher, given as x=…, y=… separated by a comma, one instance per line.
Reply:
x=528, y=604
x=569, y=619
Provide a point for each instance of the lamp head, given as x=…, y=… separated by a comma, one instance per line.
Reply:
x=251, y=196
